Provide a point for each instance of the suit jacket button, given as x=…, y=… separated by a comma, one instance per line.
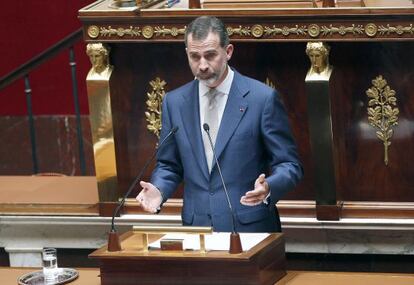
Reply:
x=211, y=193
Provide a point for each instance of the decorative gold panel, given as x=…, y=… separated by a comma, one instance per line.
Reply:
x=311, y=31
x=154, y=103
x=381, y=113
x=269, y=82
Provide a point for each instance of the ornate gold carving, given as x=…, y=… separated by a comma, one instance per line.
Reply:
x=257, y=31
x=399, y=30
x=269, y=82
x=120, y=32
x=342, y=30
x=241, y=31
x=173, y=31
x=371, y=29
x=93, y=32
x=154, y=104
x=147, y=32
x=314, y=30
x=286, y=31
x=381, y=114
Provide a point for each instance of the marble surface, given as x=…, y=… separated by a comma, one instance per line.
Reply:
x=23, y=237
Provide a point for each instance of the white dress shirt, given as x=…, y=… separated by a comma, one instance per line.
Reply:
x=223, y=88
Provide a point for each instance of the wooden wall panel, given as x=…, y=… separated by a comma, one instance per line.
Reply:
x=358, y=155
x=362, y=174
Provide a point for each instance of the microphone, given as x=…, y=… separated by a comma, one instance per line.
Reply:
x=113, y=241
x=235, y=243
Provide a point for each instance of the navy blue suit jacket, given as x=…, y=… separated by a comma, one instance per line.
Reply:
x=254, y=138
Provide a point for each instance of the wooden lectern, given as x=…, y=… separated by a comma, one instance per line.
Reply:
x=263, y=264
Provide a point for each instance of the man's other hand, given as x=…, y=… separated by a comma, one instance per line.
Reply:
x=258, y=194
x=150, y=197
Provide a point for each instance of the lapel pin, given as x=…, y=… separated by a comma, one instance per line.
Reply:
x=241, y=109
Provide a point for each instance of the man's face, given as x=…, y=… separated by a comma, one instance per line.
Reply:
x=207, y=59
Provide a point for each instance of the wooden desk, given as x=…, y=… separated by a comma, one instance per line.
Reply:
x=263, y=264
x=57, y=195
x=345, y=278
x=90, y=276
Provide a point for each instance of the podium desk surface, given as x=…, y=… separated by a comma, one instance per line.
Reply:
x=90, y=276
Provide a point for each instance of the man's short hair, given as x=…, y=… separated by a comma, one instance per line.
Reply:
x=202, y=26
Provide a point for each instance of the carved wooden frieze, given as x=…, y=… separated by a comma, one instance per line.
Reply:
x=259, y=31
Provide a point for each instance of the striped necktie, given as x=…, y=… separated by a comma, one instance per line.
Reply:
x=211, y=118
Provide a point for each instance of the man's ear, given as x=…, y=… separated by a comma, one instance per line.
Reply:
x=229, y=51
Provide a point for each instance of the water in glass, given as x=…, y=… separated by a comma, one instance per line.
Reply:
x=50, y=269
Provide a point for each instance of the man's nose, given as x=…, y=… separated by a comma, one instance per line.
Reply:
x=203, y=65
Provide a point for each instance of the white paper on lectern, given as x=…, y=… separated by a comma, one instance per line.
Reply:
x=214, y=241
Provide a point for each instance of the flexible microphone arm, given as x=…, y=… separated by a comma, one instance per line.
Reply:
x=206, y=128
x=138, y=178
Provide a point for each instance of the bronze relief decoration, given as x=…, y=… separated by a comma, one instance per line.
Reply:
x=154, y=104
x=382, y=111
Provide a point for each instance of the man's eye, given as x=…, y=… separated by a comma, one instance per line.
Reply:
x=210, y=56
x=195, y=57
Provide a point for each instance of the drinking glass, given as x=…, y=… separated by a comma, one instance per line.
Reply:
x=50, y=268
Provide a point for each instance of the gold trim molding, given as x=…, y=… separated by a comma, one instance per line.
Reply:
x=381, y=114
x=120, y=32
x=270, y=83
x=154, y=104
x=258, y=31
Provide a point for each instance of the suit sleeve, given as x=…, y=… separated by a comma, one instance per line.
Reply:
x=286, y=169
x=168, y=171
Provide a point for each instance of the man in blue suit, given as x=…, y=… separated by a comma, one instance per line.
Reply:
x=250, y=132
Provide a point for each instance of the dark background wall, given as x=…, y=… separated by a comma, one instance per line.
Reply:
x=28, y=28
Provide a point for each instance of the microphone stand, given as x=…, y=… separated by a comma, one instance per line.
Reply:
x=113, y=237
x=235, y=242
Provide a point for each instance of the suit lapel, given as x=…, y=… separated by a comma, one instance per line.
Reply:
x=190, y=116
x=236, y=107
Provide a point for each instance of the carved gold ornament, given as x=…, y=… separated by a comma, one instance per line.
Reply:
x=269, y=82
x=399, y=30
x=154, y=103
x=93, y=32
x=286, y=31
x=120, y=32
x=314, y=30
x=257, y=31
x=241, y=31
x=371, y=30
x=173, y=31
x=342, y=30
x=147, y=32
x=381, y=114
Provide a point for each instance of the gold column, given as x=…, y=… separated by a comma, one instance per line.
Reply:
x=100, y=116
